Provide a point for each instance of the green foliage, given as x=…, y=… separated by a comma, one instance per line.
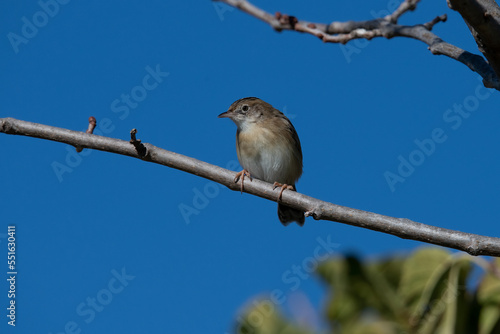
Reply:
x=488, y=298
x=426, y=292
x=262, y=319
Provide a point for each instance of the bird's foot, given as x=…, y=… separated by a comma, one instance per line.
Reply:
x=283, y=187
x=242, y=175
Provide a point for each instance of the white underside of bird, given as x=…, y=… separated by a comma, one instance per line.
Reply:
x=274, y=163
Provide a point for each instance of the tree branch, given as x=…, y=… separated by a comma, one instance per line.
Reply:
x=387, y=27
x=404, y=228
x=483, y=19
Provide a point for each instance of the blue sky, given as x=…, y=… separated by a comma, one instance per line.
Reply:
x=104, y=247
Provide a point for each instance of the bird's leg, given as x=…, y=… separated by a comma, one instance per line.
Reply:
x=242, y=175
x=283, y=187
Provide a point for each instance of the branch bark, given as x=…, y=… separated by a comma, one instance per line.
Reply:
x=404, y=228
x=483, y=19
x=387, y=27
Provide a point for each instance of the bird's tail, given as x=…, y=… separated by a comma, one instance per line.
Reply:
x=288, y=215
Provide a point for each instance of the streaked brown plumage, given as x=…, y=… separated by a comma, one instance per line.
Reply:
x=268, y=148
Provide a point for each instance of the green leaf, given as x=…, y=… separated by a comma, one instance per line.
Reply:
x=488, y=296
x=423, y=274
x=263, y=319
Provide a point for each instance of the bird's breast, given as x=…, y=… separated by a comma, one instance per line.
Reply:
x=267, y=155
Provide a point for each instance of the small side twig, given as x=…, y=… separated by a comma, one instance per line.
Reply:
x=90, y=130
x=437, y=19
x=408, y=5
x=141, y=149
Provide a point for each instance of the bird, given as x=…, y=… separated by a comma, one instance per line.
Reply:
x=268, y=149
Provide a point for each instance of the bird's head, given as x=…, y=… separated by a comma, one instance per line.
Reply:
x=248, y=111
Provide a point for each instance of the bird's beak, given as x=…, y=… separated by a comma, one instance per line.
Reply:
x=225, y=114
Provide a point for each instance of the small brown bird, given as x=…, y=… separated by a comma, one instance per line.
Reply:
x=268, y=148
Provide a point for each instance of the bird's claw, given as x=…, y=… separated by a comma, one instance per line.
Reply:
x=242, y=175
x=283, y=187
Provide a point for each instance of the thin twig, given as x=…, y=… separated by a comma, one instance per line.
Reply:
x=408, y=5
x=90, y=129
x=404, y=228
x=141, y=149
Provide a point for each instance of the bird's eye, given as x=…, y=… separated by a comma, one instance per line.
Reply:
x=245, y=108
